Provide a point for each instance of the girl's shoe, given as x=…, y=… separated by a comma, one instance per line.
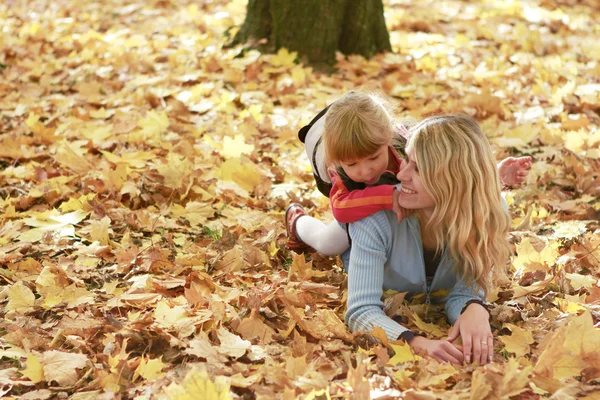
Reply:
x=292, y=213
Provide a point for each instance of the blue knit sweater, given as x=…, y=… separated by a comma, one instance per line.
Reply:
x=385, y=255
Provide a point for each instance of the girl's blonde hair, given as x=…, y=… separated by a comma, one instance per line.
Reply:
x=459, y=171
x=356, y=126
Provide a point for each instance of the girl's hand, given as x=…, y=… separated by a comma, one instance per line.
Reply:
x=477, y=339
x=514, y=171
x=441, y=350
x=400, y=212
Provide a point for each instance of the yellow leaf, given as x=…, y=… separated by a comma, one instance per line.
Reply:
x=197, y=213
x=379, y=334
x=111, y=288
x=284, y=58
x=59, y=224
x=403, y=353
x=149, y=368
x=99, y=231
x=97, y=134
x=235, y=147
x=20, y=298
x=429, y=328
x=197, y=385
x=273, y=249
x=570, y=349
x=71, y=158
x=152, y=126
x=568, y=306
x=46, y=279
x=175, y=170
x=101, y=113
x=167, y=316
x=241, y=171
x=62, y=367
x=136, y=159
x=568, y=367
x=33, y=369
x=519, y=136
x=315, y=394
x=437, y=379
x=480, y=385
x=298, y=76
x=517, y=343
x=529, y=259
x=75, y=204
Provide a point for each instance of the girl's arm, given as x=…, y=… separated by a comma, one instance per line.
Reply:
x=358, y=204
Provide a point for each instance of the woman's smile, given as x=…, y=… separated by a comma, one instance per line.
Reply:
x=407, y=190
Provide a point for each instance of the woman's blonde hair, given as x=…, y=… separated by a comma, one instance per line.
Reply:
x=459, y=171
x=356, y=126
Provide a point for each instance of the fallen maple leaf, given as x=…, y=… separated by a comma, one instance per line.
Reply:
x=231, y=345
x=20, y=298
x=402, y=353
x=62, y=367
x=517, y=343
x=59, y=224
x=33, y=368
x=284, y=58
x=149, y=368
x=235, y=147
x=197, y=385
x=253, y=327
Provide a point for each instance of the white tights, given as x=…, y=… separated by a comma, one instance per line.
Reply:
x=329, y=240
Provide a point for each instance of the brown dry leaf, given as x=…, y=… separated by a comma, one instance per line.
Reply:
x=145, y=169
x=254, y=327
x=62, y=367
x=201, y=347
x=571, y=348
x=231, y=345
x=326, y=324
x=20, y=298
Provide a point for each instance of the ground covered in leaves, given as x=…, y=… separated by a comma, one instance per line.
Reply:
x=144, y=172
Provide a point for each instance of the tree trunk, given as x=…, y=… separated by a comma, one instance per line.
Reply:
x=316, y=29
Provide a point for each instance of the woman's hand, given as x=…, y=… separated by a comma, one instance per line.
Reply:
x=441, y=350
x=477, y=339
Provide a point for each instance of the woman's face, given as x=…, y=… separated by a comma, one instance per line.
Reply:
x=413, y=194
x=368, y=170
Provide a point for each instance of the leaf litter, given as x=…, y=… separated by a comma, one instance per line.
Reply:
x=145, y=169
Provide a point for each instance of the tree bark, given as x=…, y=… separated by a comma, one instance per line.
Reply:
x=316, y=29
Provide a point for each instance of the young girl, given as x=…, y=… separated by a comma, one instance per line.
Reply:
x=356, y=137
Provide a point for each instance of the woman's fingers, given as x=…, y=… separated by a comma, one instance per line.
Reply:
x=485, y=346
x=454, y=353
x=467, y=348
x=448, y=353
x=490, y=348
x=477, y=349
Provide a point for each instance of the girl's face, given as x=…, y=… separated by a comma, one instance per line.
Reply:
x=368, y=170
x=413, y=194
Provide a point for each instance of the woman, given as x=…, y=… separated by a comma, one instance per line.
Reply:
x=457, y=232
